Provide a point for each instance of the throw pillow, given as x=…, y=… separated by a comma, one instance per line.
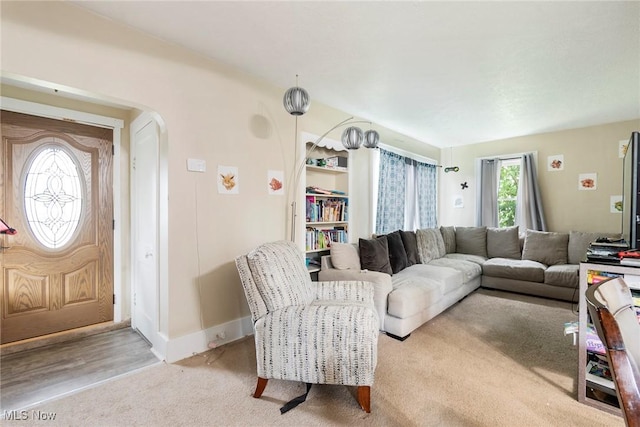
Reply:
x=344, y=256
x=449, y=237
x=546, y=247
x=430, y=244
x=503, y=243
x=471, y=241
x=374, y=254
x=410, y=246
x=579, y=242
x=397, y=253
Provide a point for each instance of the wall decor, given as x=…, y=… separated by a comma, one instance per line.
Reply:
x=228, y=180
x=588, y=181
x=275, y=182
x=622, y=147
x=464, y=185
x=458, y=201
x=616, y=204
x=555, y=162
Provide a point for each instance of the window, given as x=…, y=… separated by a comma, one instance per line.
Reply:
x=508, y=192
x=406, y=193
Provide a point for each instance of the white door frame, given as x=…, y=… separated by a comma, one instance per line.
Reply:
x=120, y=311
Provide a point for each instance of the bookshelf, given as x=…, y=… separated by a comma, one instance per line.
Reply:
x=594, y=390
x=326, y=200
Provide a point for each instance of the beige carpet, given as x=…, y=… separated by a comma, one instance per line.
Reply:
x=494, y=359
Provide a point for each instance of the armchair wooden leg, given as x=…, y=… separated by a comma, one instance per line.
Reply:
x=262, y=383
x=364, y=397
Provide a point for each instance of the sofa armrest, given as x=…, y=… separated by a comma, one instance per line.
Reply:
x=381, y=285
x=345, y=290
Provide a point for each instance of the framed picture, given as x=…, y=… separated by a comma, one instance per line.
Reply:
x=615, y=205
x=275, y=183
x=588, y=181
x=228, y=180
x=555, y=163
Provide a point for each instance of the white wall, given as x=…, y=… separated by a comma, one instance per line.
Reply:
x=208, y=110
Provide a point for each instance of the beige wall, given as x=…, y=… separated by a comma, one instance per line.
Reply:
x=208, y=110
x=586, y=150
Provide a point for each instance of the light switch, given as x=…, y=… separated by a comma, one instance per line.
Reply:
x=196, y=165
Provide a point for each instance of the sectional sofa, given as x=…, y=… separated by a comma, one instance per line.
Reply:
x=417, y=275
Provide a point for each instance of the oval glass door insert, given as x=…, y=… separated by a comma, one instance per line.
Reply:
x=53, y=197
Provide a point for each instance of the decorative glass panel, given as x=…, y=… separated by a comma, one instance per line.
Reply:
x=53, y=197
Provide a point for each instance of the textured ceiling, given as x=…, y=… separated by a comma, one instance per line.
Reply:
x=445, y=73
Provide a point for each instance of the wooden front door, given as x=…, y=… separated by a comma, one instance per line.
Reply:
x=56, y=191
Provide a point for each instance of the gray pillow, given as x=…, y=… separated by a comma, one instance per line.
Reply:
x=430, y=244
x=503, y=242
x=410, y=246
x=374, y=254
x=344, y=256
x=546, y=247
x=449, y=237
x=471, y=241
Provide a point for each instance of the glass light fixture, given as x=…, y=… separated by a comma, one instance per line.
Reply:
x=352, y=138
x=296, y=101
x=371, y=139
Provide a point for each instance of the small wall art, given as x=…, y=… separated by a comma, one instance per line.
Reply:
x=555, y=162
x=228, y=180
x=458, y=201
x=622, y=148
x=588, y=181
x=275, y=182
x=616, y=204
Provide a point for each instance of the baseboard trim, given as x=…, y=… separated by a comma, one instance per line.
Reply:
x=187, y=345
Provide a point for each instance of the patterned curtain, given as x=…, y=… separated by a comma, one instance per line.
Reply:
x=391, y=193
x=426, y=186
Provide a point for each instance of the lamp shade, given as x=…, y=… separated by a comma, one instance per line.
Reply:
x=371, y=139
x=352, y=138
x=296, y=101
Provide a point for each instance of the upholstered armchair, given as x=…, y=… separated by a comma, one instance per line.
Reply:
x=611, y=308
x=314, y=332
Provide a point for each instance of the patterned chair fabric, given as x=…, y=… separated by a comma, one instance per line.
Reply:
x=320, y=333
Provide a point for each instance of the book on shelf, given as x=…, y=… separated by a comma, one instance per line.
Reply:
x=319, y=239
x=326, y=210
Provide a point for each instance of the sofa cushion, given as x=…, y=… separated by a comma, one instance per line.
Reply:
x=344, y=256
x=545, y=247
x=471, y=240
x=470, y=270
x=579, y=243
x=430, y=244
x=448, y=278
x=527, y=270
x=410, y=246
x=397, y=253
x=480, y=260
x=503, y=243
x=449, y=238
x=374, y=254
x=412, y=293
x=565, y=275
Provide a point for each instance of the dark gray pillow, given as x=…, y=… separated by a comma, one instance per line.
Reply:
x=410, y=246
x=397, y=253
x=546, y=247
x=374, y=254
x=503, y=242
x=471, y=241
x=449, y=237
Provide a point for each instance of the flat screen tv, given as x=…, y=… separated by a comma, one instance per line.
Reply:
x=630, y=195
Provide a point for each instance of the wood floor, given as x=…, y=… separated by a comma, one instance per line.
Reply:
x=40, y=374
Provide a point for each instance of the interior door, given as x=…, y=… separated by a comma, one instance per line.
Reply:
x=145, y=311
x=57, y=272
